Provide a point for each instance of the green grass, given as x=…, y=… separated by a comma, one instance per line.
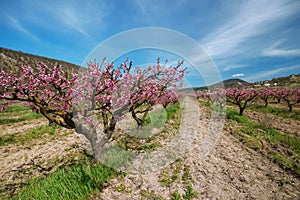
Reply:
x=116, y=157
x=14, y=108
x=231, y=114
x=156, y=120
x=35, y=133
x=172, y=110
x=270, y=134
x=77, y=181
x=190, y=193
x=286, y=162
x=276, y=111
x=176, y=195
x=25, y=117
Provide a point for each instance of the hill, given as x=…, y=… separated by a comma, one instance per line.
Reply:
x=291, y=81
x=233, y=82
x=11, y=59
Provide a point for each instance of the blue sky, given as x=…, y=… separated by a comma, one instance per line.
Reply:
x=253, y=40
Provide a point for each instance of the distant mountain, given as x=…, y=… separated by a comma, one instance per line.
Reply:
x=233, y=82
x=11, y=59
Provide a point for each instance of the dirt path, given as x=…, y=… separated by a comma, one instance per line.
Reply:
x=230, y=171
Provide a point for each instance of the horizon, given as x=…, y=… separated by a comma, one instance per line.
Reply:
x=243, y=38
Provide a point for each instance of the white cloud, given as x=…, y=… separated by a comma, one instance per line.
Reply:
x=239, y=75
x=252, y=19
x=270, y=73
x=282, y=52
x=273, y=51
x=230, y=67
x=62, y=16
x=70, y=18
x=17, y=25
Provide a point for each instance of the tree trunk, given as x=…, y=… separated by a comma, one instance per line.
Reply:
x=266, y=103
x=109, y=130
x=98, y=148
x=241, y=111
x=109, y=125
x=97, y=142
x=290, y=107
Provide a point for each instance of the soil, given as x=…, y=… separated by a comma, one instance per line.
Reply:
x=231, y=170
x=21, y=127
x=284, y=125
x=37, y=158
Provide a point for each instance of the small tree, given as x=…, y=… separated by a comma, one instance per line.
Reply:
x=290, y=96
x=218, y=97
x=241, y=97
x=265, y=94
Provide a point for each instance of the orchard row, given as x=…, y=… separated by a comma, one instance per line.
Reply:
x=243, y=97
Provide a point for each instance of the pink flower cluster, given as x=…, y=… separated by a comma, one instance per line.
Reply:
x=100, y=88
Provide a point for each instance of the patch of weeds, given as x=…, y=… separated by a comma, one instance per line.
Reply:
x=190, y=193
x=38, y=132
x=287, y=162
x=283, y=182
x=14, y=108
x=175, y=195
x=172, y=110
x=154, y=118
x=25, y=117
x=171, y=173
x=116, y=157
x=252, y=142
x=165, y=182
x=276, y=111
x=7, y=139
x=252, y=134
x=120, y=188
x=76, y=181
x=151, y=195
x=274, y=136
x=144, y=139
x=150, y=147
x=186, y=174
x=35, y=133
x=230, y=114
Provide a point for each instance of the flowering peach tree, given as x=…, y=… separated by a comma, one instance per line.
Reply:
x=100, y=93
x=241, y=97
x=290, y=96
